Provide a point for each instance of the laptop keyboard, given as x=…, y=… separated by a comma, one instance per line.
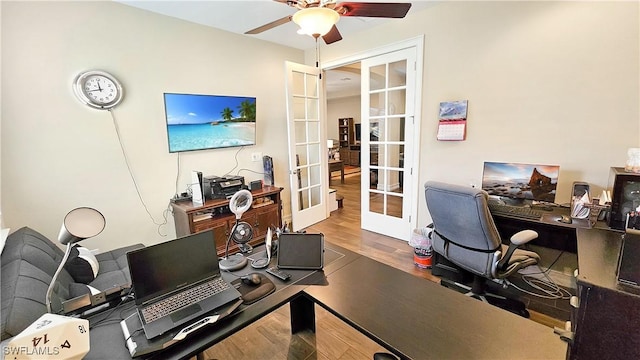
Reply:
x=191, y=296
x=515, y=211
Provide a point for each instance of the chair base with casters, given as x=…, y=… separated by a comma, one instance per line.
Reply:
x=465, y=235
x=384, y=356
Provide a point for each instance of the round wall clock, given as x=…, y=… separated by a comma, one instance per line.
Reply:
x=98, y=89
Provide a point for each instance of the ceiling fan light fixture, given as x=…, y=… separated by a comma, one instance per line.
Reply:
x=315, y=21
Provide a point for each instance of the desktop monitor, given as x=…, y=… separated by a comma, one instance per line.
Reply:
x=521, y=181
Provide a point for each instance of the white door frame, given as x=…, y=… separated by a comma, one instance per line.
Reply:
x=418, y=44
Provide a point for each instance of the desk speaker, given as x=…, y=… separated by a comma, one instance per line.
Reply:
x=255, y=185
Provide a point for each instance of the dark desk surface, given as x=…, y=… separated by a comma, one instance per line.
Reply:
x=247, y=314
x=423, y=320
x=598, y=252
x=411, y=316
x=552, y=217
x=605, y=320
x=552, y=233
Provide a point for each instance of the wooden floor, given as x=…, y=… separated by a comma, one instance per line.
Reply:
x=270, y=337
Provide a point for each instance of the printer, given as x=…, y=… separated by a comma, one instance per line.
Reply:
x=222, y=187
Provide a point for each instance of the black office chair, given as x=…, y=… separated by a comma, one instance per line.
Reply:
x=464, y=233
x=384, y=356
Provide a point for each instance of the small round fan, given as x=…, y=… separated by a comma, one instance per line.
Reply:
x=241, y=233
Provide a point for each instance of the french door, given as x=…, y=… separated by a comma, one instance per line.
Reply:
x=387, y=151
x=308, y=160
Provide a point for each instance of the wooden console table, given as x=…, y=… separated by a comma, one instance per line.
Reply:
x=215, y=214
x=335, y=165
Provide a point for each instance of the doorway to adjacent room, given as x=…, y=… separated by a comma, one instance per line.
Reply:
x=388, y=117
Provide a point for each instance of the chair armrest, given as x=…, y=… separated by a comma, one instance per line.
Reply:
x=519, y=238
x=523, y=237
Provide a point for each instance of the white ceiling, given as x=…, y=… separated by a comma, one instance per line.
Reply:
x=240, y=16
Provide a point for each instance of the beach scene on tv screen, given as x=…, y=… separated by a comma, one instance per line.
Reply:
x=196, y=122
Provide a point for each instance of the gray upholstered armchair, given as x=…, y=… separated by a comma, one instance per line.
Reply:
x=464, y=233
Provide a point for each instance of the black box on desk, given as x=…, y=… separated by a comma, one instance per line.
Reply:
x=446, y=269
x=625, y=196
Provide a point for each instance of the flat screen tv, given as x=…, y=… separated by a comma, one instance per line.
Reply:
x=358, y=132
x=199, y=122
x=521, y=181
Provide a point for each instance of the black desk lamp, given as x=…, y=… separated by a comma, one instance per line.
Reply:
x=79, y=224
x=241, y=232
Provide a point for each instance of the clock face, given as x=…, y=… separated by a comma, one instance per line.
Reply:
x=98, y=89
x=101, y=89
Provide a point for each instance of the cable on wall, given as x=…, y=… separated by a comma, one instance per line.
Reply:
x=177, y=174
x=236, y=159
x=242, y=169
x=249, y=170
x=135, y=184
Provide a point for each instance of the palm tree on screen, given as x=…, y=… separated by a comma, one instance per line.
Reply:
x=247, y=110
x=227, y=113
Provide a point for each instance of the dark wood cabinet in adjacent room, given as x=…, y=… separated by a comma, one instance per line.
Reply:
x=215, y=215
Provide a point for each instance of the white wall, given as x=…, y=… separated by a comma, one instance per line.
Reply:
x=58, y=154
x=547, y=82
x=343, y=107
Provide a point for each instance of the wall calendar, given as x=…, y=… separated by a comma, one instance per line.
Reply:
x=452, y=121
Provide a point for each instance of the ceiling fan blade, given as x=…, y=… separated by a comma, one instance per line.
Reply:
x=270, y=25
x=332, y=36
x=383, y=10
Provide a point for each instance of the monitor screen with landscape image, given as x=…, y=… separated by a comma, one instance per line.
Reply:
x=521, y=181
x=199, y=122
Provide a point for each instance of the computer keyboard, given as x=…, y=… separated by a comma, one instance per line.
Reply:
x=515, y=211
x=191, y=296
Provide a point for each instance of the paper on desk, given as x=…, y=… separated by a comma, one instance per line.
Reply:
x=605, y=197
x=580, y=211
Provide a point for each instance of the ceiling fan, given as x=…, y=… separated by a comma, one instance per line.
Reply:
x=318, y=17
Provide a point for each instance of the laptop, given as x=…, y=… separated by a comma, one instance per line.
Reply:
x=177, y=281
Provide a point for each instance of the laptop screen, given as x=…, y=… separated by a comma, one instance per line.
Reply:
x=166, y=267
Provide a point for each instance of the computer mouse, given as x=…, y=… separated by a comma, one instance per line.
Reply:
x=565, y=219
x=252, y=279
